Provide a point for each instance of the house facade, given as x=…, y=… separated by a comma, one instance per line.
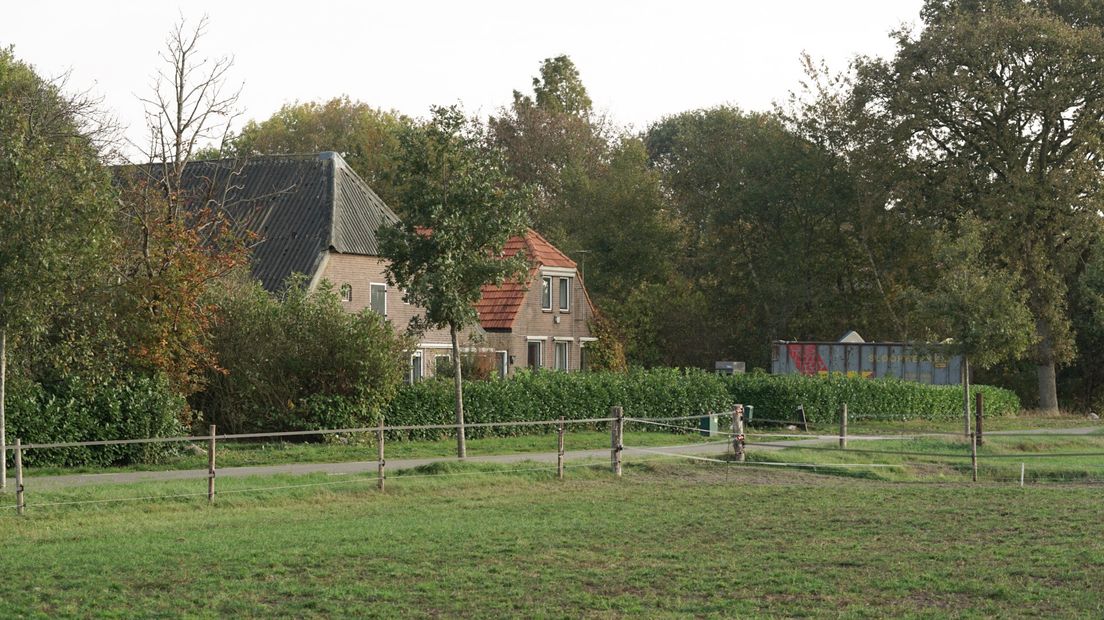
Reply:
x=543, y=322
x=313, y=215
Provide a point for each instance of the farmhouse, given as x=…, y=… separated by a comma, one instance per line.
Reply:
x=313, y=215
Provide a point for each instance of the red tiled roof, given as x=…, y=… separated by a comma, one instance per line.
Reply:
x=500, y=304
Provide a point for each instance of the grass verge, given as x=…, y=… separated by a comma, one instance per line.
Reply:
x=667, y=540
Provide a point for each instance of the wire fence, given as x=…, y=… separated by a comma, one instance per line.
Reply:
x=768, y=450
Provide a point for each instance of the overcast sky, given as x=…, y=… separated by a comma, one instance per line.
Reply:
x=639, y=60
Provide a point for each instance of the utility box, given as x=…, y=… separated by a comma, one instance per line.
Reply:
x=708, y=425
x=729, y=368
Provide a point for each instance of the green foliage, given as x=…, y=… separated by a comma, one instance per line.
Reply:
x=461, y=209
x=1000, y=106
x=549, y=395
x=131, y=406
x=299, y=361
x=982, y=308
x=776, y=397
x=54, y=195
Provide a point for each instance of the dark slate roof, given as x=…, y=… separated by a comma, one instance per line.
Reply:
x=299, y=206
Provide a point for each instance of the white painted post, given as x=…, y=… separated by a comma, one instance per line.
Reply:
x=1022, y=468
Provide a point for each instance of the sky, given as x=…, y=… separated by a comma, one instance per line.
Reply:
x=640, y=61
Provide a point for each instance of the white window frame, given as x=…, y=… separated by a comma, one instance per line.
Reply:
x=564, y=294
x=502, y=360
x=437, y=356
x=421, y=366
x=566, y=359
x=346, y=292
x=546, y=293
x=541, y=342
x=583, y=342
x=371, y=288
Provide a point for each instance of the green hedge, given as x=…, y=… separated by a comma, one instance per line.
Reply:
x=550, y=395
x=777, y=397
x=133, y=406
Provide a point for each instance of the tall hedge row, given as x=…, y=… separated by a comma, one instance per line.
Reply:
x=777, y=397
x=672, y=392
x=133, y=406
x=550, y=395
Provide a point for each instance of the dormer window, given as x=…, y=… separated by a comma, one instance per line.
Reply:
x=346, y=293
x=546, y=293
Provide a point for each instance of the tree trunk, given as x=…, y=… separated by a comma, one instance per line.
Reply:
x=1048, y=383
x=3, y=422
x=1048, y=387
x=461, y=447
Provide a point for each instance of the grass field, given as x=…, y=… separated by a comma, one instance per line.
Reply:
x=667, y=540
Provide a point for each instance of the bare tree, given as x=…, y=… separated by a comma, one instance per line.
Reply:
x=180, y=234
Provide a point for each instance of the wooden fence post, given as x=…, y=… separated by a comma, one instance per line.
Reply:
x=211, y=466
x=20, y=504
x=843, y=428
x=560, y=450
x=738, y=436
x=979, y=414
x=735, y=427
x=973, y=453
x=804, y=420
x=617, y=429
x=381, y=463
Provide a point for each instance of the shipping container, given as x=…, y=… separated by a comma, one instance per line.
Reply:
x=923, y=364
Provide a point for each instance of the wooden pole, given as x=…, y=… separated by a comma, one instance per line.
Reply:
x=617, y=428
x=979, y=414
x=843, y=428
x=804, y=420
x=973, y=453
x=381, y=463
x=735, y=427
x=738, y=438
x=211, y=466
x=20, y=504
x=560, y=450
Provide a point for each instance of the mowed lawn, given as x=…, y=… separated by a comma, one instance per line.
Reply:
x=667, y=540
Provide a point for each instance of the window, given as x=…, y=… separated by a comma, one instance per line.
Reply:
x=565, y=294
x=584, y=361
x=501, y=360
x=346, y=293
x=536, y=349
x=563, y=350
x=442, y=365
x=546, y=293
x=415, y=373
x=379, y=299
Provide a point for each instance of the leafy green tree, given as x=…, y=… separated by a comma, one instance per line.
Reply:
x=54, y=204
x=767, y=219
x=553, y=142
x=1000, y=105
x=461, y=207
x=367, y=137
x=297, y=360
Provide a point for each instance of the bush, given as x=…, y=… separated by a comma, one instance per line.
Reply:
x=777, y=397
x=549, y=395
x=132, y=407
x=298, y=362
